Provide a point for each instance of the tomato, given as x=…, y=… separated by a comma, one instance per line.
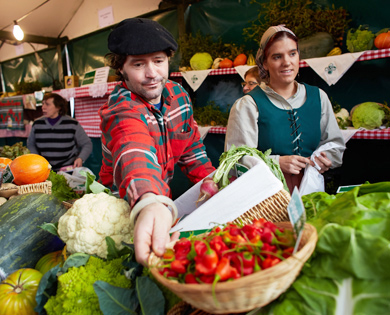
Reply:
x=49, y=261
x=17, y=292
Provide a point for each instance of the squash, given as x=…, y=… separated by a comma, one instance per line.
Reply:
x=49, y=261
x=18, y=290
x=314, y=46
x=4, y=162
x=30, y=169
x=226, y=63
x=22, y=242
x=240, y=60
x=382, y=41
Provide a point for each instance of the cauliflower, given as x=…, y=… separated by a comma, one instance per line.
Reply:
x=342, y=117
x=91, y=219
x=201, y=61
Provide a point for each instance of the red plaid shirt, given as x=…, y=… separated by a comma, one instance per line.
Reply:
x=141, y=144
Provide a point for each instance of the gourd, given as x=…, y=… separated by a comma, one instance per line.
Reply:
x=30, y=169
x=314, y=46
x=22, y=242
x=240, y=60
x=18, y=290
x=226, y=63
x=49, y=261
x=382, y=41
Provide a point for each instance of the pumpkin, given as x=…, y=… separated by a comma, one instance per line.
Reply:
x=4, y=162
x=30, y=169
x=17, y=292
x=49, y=261
x=22, y=242
x=226, y=63
x=382, y=41
x=240, y=60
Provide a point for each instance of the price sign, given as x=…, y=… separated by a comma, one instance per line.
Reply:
x=297, y=214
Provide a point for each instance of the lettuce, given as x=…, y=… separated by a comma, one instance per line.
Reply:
x=348, y=273
x=370, y=115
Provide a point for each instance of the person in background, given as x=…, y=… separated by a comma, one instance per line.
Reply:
x=147, y=128
x=251, y=79
x=58, y=137
x=290, y=118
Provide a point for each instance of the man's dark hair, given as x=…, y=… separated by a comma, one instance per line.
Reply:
x=116, y=62
x=58, y=101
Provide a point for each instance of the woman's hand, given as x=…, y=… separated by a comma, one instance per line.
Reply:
x=323, y=162
x=151, y=231
x=78, y=163
x=293, y=164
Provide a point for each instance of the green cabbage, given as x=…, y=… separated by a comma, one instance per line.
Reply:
x=369, y=115
x=201, y=61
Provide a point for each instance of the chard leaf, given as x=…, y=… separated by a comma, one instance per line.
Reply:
x=75, y=260
x=115, y=300
x=47, y=288
x=113, y=252
x=150, y=297
x=50, y=227
x=92, y=186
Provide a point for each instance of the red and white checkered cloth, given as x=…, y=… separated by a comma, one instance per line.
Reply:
x=86, y=113
x=382, y=134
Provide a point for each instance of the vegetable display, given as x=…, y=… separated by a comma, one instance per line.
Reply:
x=60, y=187
x=91, y=219
x=348, y=272
x=17, y=292
x=227, y=253
x=22, y=242
x=13, y=151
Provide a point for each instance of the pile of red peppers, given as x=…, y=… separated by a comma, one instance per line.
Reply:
x=227, y=252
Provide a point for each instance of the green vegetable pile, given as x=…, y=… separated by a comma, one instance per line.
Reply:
x=60, y=187
x=348, y=273
x=360, y=39
x=229, y=159
x=14, y=150
x=210, y=115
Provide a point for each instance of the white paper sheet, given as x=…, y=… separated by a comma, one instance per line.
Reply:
x=256, y=185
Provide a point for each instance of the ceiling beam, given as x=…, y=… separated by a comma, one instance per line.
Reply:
x=50, y=41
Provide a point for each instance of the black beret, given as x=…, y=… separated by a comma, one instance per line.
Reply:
x=137, y=36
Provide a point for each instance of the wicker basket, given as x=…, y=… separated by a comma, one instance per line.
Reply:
x=272, y=209
x=44, y=187
x=245, y=293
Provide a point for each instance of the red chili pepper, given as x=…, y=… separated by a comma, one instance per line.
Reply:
x=267, y=248
x=169, y=254
x=190, y=278
x=269, y=262
x=168, y=273
x=218, y=245
x=259, y=222
x=224, y=270
x=182, y=248
x=271, y=226
x=207, y=278
x=178, y=266
x=267, y=236
x=288, y=252
x=200, y=247
x=251, y=231
x=257, y=267
x=206, y=263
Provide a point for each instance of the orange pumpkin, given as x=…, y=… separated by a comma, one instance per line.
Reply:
x=30, y=169
x=240, y=60
x=4, y=162
x=226, y=63
x=382, y=41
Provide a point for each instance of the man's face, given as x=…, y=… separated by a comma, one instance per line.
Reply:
x=146, y=75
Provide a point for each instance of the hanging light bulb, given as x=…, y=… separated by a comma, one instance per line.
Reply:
x=18, y=33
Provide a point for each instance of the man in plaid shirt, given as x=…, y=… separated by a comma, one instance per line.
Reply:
x=148, y=127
